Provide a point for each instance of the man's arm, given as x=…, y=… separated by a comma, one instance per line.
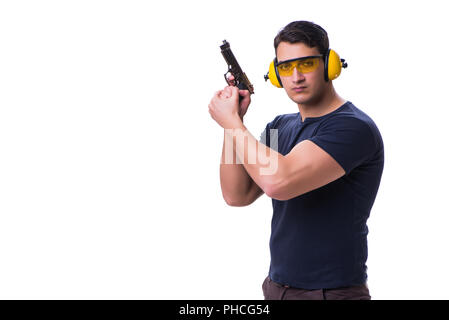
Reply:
x=305, y=168
x=237, y=187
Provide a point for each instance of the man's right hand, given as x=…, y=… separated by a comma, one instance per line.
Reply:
x=246, y=98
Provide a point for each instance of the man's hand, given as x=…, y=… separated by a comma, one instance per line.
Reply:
x=226, y=103
x=224, y=108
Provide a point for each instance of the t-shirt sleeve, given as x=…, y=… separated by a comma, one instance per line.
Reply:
x=348, y=140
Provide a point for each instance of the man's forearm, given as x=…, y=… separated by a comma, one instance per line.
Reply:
x=235, y=181
x=263, y=164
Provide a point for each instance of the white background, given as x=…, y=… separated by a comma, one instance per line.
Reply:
x=109, y=159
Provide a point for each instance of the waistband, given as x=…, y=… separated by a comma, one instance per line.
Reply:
x=280, y=285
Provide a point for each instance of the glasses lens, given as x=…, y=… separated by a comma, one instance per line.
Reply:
x=303, y=65
x=308, y=65
x=286, y=69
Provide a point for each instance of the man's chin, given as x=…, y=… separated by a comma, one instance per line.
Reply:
x=300, y=98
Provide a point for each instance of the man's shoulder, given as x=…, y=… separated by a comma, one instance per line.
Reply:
x=348, y=114
x=354, y=119
x=282, y=119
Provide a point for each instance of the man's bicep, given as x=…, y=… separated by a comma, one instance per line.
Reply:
x=307, y=167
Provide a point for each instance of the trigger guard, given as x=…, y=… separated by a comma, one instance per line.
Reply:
x=226, y=79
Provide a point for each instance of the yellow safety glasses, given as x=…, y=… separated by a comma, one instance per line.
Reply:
x=304, y=65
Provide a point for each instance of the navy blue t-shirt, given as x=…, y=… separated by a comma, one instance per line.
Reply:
x=319, y=239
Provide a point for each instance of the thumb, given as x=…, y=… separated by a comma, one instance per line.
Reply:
x=243, y=93
x=235, y=92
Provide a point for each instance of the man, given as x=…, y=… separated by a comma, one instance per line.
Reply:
x=329, y=163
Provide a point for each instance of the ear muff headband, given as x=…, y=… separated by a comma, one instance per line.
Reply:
x=332, y=68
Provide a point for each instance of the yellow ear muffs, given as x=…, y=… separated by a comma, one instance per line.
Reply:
x=273, y=74
x=332, y=68
x=333, y=65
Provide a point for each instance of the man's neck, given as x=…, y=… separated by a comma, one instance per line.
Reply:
x=328, y=103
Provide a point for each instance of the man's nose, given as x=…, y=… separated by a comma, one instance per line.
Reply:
x=297, y=75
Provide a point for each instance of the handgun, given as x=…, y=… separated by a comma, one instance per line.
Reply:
x=240, y=78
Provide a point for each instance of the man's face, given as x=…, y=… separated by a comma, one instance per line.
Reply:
x=302, y=88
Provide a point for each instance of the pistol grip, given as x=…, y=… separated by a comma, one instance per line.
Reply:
x=241, y=86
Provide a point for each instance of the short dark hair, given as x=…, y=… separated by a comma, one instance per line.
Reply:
x=305, y=32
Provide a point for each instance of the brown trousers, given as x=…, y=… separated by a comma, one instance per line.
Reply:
x=275, y=291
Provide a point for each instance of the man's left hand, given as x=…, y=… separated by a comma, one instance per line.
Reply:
x=224, y=108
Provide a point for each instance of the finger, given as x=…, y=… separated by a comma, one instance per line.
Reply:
x=221, y=94
x=231, y=79
x=243, y=93
x=235, y=92
x=228, y=90
x=226, y=93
